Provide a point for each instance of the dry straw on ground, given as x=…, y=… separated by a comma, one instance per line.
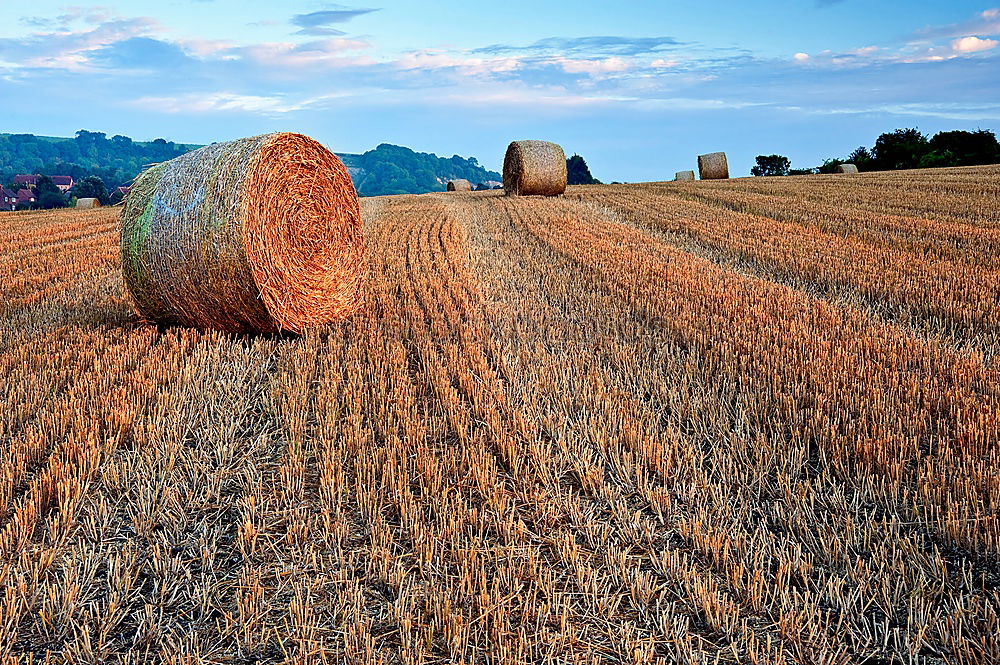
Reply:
x=846, y=168
x=261, y=234
x=88, y=203
x=459, y=185
x=534, y=168
x=684, y=175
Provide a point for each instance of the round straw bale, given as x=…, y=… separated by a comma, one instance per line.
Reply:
x=845, y=168
x=261, y=234
x=88, y=203
x=713, y=166
x=459, y=186
x=684, y=175
x=534, y=168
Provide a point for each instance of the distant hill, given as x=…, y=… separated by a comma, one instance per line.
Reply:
x=388, y=169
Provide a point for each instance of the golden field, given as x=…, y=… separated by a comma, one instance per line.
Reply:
x=747, y=421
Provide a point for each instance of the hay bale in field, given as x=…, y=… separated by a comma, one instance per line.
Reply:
x=261, y=234
x=684, y=175
x=88, y=203
x=534, y=168
x=713, y=166
x=845, y=168
x=459, y=185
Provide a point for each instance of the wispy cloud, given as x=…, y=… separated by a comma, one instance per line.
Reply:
x=593, y=46
x=318, y=23
x=985, y=23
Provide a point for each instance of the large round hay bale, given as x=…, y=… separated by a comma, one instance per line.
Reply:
x=261, y=234
x=534, y=168
x=459, y=185
x=845, y=168
x=713, y=166
x=684, y=175
x=88, y=203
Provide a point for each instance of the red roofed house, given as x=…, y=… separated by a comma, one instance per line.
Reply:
x=8, y=199
x=25, y=196
x=63, y=182
x=25, y=181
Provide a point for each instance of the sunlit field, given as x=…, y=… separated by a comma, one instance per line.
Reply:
x=745, y=421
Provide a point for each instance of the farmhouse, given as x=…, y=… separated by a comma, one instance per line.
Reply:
x=63, y=182
x=25, y=196
x=8, y=199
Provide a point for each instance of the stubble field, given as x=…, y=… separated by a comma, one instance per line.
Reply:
x=751, y=421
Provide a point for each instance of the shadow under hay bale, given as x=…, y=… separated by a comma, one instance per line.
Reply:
x=85, y=204
x=261, y=234
x=459, y=186
x=713, y=166
x=534, y=168
x=845, y=168
x=684, y=175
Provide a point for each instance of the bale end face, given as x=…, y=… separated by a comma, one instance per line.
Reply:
x=534, y=168
x=459, y=186
x=262, y=234
x=684, y=175
x=713, y=166
x=846, y=168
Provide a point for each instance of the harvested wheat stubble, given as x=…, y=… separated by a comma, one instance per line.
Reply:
x=262, y=234
x=713, y=166
x=534, y=168
x=459, y=186
x=846, y=168
x=684, y=175
x=88, y=203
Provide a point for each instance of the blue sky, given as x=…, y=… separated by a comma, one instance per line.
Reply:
x=638, y=88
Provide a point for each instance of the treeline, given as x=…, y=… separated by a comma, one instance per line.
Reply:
x=901, y=149
x=393, y=169
x=116, y=161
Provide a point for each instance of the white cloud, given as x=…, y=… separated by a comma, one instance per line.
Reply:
x=661, y=63
x=222, y=102
x=610, y=65
x=437, y=59
x=973, y=44
x=801, y=57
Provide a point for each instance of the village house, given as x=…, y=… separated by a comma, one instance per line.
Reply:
x=25, y=196
x=8, y=199
x=63, y=182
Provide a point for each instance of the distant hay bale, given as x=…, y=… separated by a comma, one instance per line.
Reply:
x=88, y=203
x=533, y=168
x=845, y=168
x=684, y=175
x=459, y=185
x=261, y=234
x=713, y=166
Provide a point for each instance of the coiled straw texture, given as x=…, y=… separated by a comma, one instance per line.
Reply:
x=713, y=166
x=534, y=168
x=459, y=185
x=261, y=234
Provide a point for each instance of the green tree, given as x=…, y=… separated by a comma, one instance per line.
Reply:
x=966, y=148
x=47, y=195
x=830, y=165
x=901, y=149
x=771, y=165
x=862, y=158
x=578, y=173
x=91, y=187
